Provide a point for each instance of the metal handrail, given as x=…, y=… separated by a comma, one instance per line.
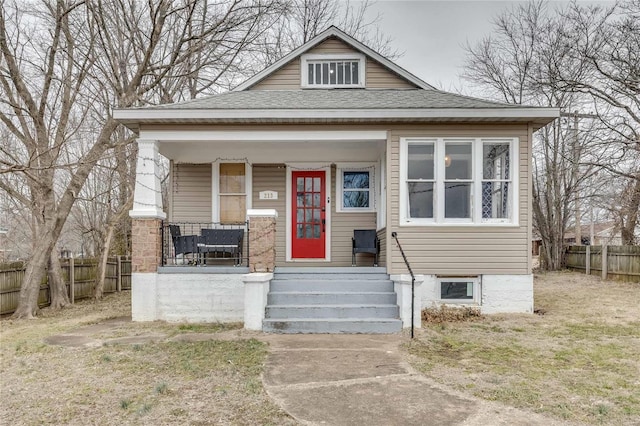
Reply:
x=413, y=279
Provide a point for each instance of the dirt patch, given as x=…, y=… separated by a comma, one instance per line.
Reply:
x=578, y=362
x=89, y=365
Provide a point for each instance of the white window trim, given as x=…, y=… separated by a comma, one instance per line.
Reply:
x=476, y=213
x=381, y=207
x=476, y=290
x=374, y=191
x=304, y=74
x=215, y=187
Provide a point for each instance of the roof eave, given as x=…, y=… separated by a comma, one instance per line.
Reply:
x=545, y=115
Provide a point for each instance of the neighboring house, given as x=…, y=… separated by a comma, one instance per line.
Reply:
x=333, y=138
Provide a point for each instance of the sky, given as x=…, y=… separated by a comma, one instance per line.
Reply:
x=432, y=34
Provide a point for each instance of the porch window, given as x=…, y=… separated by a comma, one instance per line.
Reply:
x=355, y=189
x=326, y=71
x=232, y=193
x=458, y=180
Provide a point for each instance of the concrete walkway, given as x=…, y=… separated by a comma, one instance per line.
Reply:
x=364, y=380
x=323, y=379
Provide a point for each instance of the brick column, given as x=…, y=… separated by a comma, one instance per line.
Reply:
x=146, y=244
x=262, y=240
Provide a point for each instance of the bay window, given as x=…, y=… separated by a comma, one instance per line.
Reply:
x=458, y=181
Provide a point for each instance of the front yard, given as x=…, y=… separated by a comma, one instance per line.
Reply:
x=165, y=378
x=578, y=359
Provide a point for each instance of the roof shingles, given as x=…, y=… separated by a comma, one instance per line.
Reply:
x=320, y=99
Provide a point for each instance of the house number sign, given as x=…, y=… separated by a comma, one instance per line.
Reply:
x=268, y=195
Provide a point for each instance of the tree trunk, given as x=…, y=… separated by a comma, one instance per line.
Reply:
x=57, y=287
x=628, y=228
x=98, y=290
x=33, y=276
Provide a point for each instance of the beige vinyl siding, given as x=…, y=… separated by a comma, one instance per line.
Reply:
x=461, y=250
x=273, y=178
x=288, y=77
x=190, y=199
x=382, y=236
x=379, y=77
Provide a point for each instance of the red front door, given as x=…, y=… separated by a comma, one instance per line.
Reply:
x=308, y=211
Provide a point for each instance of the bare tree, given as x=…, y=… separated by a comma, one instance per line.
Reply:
x=64, y=64
x=304, y=19
x=519, y=64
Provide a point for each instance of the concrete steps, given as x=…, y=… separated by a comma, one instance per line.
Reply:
x=331, y=300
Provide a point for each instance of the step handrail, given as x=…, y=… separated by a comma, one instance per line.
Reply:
x=413, y=278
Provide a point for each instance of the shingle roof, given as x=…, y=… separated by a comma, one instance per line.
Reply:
x=334, y=99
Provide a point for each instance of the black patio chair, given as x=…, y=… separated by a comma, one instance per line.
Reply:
x=365, y=241
x=184, y=244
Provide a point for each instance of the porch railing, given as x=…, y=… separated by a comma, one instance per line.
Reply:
x=205, y=244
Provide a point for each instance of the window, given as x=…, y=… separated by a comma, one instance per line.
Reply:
x=496, y=184
x=232, y=195
x=443, y=177
x=326, y=71
x=355, y=190
x=458, y=290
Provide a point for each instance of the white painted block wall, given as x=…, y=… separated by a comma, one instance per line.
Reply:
x=498, y=293
x=188, y=297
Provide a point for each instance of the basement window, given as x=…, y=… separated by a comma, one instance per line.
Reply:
x=463, y=290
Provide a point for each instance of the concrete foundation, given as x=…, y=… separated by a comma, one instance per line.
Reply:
x=496, y=293
x=189, y=297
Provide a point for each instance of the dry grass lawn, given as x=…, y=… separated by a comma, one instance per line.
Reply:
x=579, y=360
x=160, y=380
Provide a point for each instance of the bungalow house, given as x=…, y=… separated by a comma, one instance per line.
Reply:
x=331, y=139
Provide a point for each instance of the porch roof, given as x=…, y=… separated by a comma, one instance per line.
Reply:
x=337, y=106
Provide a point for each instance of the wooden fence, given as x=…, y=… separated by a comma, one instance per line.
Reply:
x=621, y=262
x=79, y=276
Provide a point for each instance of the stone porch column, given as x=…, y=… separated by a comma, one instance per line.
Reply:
x=146, y=236
x=262, y=262
x=262, y=239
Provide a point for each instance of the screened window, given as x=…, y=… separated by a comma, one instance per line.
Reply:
x=332, y=70
x=233, y=195
x=449, y=180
